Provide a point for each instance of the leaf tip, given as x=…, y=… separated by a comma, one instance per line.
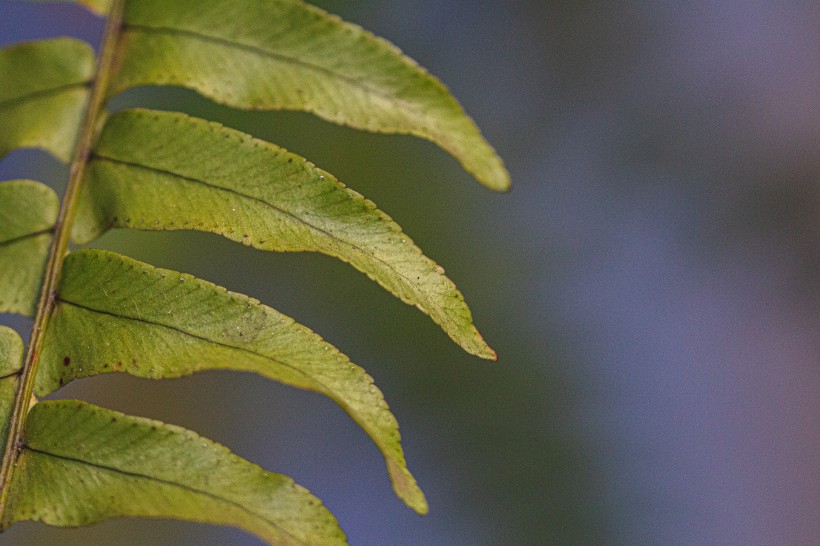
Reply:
x=476, y=346
x=487, y=353
x=490, y=355
x=406, y=488
x=498, y=179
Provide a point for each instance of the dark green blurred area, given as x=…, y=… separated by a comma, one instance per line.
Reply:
x=650, y=285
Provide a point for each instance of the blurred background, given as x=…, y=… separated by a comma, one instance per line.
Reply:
x=651, y=284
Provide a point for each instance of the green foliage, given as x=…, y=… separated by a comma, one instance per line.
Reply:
x=167, y=171
x=178, y=325
x=82, y=464
x=28, y=211
x=45, y=87
x=287, y=55
x=68, y=463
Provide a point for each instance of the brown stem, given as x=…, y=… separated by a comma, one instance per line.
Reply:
x=59, y=248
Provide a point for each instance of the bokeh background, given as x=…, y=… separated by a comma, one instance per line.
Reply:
x=651, y=284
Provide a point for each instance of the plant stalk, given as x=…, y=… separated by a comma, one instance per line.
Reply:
x=59, y=249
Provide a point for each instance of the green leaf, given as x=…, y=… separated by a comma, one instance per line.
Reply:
x=81, y=464
x=43, y=92
x=11, y=352
x=116, y=314
x=28, y=211
x=100, y=7
x=67, y=463
x=285, y=54
x=11, y=362
x=167, y=171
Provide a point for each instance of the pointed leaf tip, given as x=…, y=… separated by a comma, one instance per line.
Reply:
x=168, y=171
x=282, y=54
x=406, y=488
x=113, y=315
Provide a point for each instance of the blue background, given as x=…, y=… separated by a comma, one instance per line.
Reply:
x=651, y=284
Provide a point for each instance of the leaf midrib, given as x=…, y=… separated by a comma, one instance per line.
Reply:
x=26, y=236
x=328, y=391
x=59, y=247
x=419, y=294
x=321, y=386
x=353, y=82
x=166, y=482
x=43, y=93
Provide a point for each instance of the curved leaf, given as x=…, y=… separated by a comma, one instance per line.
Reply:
x=11, y=362
x=43, y=92
x=81, y=464
x=117, y=314
x=11, y=352
x=167, y=171
x=28, y=211
x=285, y=54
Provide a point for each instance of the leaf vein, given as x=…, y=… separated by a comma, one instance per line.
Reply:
x=353, y=82
x=312, y=380
x=41, y=93
x=297, y=219
x=163, y=481
x=26, y=236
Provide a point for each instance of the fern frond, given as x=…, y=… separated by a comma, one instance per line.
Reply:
x=28, y=211
x=167, y=171
x=285, y=54
x=116, y=314
x=45, y=90
x=69, y=463
x=81, y=464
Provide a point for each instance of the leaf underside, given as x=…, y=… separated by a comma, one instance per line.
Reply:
x=157, y=323
x=44, y=106
x=11, y=362
x=167, y=171
x=78, y=463
x=81, y=464
x=28, y=211
x=285, y=54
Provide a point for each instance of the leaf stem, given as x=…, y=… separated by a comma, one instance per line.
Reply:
x=59, y=248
